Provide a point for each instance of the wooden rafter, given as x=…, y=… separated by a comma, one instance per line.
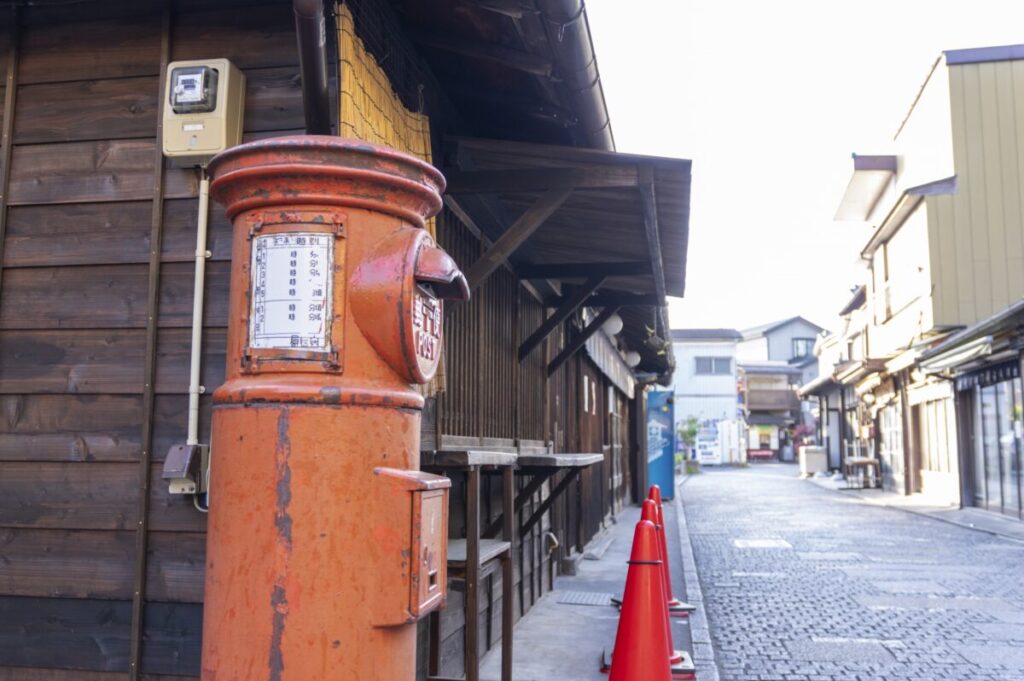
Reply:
x=509, y=8
x=518, y=232
x=568, y=306
x=573, y=346
x=506, y=56
x=568, y=270
x=540, y=179
x=616, y=298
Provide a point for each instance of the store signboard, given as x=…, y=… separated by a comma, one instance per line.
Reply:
x=661, y=441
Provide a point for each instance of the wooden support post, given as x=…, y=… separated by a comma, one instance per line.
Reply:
x=434, y=655
x=149, y=371
x=472, y=593
x=7, y=134
x=507, y=613
x=520, y=230
x=568, y=306
x=580, y=339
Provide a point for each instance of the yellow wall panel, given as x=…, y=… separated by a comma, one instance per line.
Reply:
x=985, y=217
x=370, y=110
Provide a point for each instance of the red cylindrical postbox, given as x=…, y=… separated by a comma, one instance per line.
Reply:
x=325, y=541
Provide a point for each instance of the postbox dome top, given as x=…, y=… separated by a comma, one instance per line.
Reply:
x=325, y=170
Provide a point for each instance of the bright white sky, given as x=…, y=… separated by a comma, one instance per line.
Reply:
x=769, y=99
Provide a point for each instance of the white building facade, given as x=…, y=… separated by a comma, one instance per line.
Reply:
x=705, y=376
x=706, y=391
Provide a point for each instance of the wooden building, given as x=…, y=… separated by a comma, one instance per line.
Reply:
x=101, y=569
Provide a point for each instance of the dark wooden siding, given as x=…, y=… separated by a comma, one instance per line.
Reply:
x=73, y=325
x=73, y=315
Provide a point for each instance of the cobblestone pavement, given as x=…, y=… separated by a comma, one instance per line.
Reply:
x=806, y=584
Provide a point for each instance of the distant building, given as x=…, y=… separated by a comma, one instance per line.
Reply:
x=841, y=417
x=939, y=407
x=705, y=378
x=705, y=385
x=774, y=359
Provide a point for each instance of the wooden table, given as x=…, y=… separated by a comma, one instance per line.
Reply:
x=473, y=558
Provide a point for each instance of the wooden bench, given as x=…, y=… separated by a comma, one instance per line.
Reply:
x=539, y=466
x=860, y=466
x=474, y=558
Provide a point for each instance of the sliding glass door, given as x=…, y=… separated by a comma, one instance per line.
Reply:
x=997, y=447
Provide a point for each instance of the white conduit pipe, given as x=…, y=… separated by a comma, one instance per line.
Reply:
x=194, y=388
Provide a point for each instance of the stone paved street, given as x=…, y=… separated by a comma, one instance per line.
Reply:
x=807, y=584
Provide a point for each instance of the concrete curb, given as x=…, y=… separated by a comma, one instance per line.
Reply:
x=922, y=512
x=700, y=633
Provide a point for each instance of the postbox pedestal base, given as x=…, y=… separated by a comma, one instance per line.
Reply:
x=299, y=528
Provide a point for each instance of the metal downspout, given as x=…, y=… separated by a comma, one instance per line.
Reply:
x=312, y=36
x=565, y=22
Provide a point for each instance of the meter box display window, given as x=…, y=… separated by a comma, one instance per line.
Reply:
x=203, y=110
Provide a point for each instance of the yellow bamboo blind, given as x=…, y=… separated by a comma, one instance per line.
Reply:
x=371, y=111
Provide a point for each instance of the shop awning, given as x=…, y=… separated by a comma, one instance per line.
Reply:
x=589, y=228
x=819, y=386
x=769, y=420
x=870, y=176
x=854, y=372
x=958, y=355
x=975, y=342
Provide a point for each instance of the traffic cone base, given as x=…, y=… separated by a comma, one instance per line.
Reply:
x=683, y=670
x=678, y=608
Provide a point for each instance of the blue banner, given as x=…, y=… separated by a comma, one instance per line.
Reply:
x=661, y=442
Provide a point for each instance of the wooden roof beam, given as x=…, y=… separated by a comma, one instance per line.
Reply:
x=509, y=8
x=581, y=338
x=649, y=208
x=568, y=305
x=506, y=56
x=518, y=232
x=572, y=270
x=541, y=179
x=617, y=298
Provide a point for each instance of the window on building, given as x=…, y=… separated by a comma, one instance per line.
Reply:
x=900, y=269
x=803, y=347
x=714, y=366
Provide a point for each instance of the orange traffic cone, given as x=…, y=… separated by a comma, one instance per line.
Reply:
x=680, y=665
x=676, y=608
x=641, y=642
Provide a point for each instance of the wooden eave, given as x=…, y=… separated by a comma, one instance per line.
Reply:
x=620, y=218
x=601, y=222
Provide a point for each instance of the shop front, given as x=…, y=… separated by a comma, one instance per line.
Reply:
x=993, y=402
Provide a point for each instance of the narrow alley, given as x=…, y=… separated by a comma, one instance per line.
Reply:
x=807, y=584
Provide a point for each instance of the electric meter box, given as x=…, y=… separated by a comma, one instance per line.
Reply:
x=203, y=109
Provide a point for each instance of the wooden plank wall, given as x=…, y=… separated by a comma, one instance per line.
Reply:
x=491, y=400
x=73, y=314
